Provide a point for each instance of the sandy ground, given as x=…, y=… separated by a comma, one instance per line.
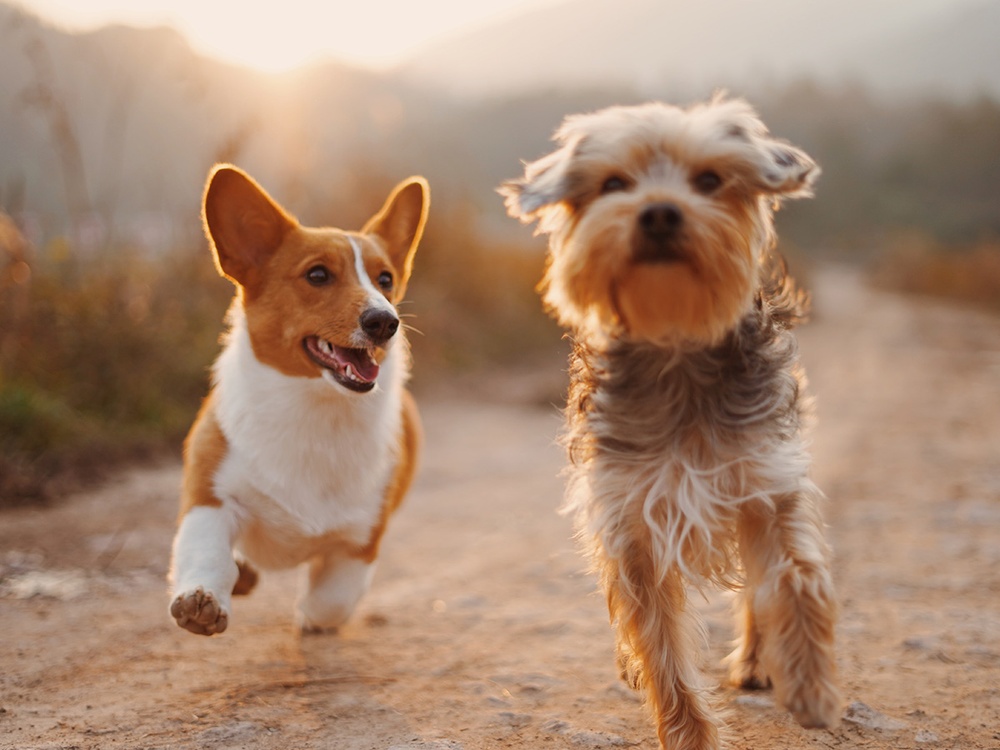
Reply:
x=483, y=630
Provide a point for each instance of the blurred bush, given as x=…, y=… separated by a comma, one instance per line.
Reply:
x=473, y=301
x=916, y=263
x=100, y=360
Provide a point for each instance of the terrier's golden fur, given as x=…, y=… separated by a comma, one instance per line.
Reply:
x=685, y=412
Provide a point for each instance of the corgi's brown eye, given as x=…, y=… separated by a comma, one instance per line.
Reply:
x=707, y=182
x=614, y=184
x=385, y=281
x=319, y=276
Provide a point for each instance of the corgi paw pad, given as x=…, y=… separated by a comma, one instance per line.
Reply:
x=199, y=612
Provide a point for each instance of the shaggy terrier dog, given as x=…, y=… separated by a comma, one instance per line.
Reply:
x=685, y=413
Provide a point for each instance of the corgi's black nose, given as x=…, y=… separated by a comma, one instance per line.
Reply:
x=380, y=325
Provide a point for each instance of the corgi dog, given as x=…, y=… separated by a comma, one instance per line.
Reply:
x=308, y=439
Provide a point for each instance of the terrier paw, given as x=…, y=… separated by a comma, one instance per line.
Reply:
x=689, y=726
x=816, y=706
x=200, y=612
x=747, y=675
x=629, y=668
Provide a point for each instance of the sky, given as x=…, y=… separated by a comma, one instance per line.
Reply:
x=283, y=34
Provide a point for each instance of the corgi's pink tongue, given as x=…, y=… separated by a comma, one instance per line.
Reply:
x=356, y=362
x=354, y=365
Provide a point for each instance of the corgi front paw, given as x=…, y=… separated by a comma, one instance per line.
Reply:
x=200, y=611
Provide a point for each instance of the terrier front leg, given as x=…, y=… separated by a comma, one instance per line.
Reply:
x=203, y=571
x=745, y=670
x=787, y=564
x=659, y=651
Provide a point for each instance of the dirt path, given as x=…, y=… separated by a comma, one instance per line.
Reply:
x=482, y=629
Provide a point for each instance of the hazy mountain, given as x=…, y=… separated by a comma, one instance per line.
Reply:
x=957, y=53
x=112, y=132
x=684, y=48
x=122, y=121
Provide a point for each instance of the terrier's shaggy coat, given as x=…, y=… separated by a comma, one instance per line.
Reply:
x=686, y=407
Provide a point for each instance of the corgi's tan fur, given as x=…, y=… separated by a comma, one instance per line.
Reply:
x=308, y=440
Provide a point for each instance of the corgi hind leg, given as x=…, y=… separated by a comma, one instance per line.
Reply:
x=247, y=578
x=334, y=584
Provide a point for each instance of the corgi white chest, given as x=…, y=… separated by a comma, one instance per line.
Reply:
x=305, y=457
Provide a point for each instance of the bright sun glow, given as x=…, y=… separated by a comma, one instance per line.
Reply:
x=283, y=35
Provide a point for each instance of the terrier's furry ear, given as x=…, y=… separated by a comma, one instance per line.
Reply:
x=784, y=170
x=773, y=166
x=544, y=184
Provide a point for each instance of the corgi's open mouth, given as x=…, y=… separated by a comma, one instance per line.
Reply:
x=355, y=369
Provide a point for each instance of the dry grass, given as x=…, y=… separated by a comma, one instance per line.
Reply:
x=916, y=264
x=100, y=361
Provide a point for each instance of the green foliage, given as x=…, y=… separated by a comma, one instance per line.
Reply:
x=124, y=340
x=107, y=358
x=42, y=439
x=35, y=423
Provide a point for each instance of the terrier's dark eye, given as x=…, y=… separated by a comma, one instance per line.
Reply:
x=319, y=276
x=707, y=182
x=614, y=184
x=385, y=281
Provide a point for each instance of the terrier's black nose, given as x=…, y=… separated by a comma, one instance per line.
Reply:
x=660, y=220
x=380, y=325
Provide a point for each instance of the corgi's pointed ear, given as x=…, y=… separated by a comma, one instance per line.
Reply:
x=400, y=225
x=243, y=223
